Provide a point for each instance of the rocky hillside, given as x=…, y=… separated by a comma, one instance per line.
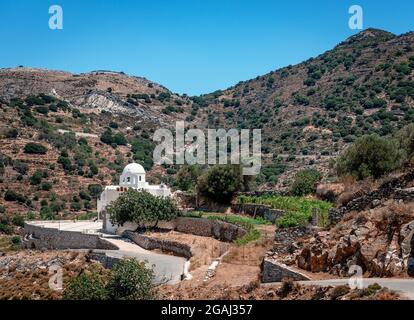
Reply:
x=309, y=111
x=90, y=125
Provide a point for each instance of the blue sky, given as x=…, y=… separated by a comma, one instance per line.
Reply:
x=190, y=46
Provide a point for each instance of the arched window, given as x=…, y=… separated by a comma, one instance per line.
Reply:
x=129, y=179
x=139, y=178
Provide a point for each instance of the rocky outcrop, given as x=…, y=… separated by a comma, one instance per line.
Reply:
x=364, y=246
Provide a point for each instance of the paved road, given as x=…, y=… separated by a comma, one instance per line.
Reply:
x=167, y=268
x=403, y=286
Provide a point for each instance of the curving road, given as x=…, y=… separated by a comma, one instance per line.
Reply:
x=167, y=268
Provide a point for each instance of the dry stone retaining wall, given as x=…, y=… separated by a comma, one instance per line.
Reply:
x=149, y=243
x=259, y=210
x=393, y=188
x=38, y=237
x=217, y=229
x=273, y=271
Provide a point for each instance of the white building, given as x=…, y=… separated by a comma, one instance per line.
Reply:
x=133, y=176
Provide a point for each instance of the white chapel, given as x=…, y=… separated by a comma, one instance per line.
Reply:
x=133, y=176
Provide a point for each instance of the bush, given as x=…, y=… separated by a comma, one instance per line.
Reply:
x=11, y=195
x=46, y=213
x=369, y=156
x=95, y=190
x=20, y=166
x=18, y=221
x=298, y=209
x=5, y=229
x=142, y=208
x=36, y=178
x=16, y=240
x=405, y=141
x=46, y=186
x=305, y=182
x=130, y=280
x=86, y=287
x=35, y=148
x=12, y=133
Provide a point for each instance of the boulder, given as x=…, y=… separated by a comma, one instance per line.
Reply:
x=314, y=257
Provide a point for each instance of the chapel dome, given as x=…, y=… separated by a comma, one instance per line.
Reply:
x=133, y=168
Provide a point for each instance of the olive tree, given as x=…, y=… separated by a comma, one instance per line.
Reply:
x=142, y=208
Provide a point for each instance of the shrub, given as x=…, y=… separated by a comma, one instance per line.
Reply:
x=298, y=209
x=5, y=229
x=369, y=156
x=142, y=208
x=35, y=148
x=65, y=162
x=130, y=280
x=46, y=186
x=12, y=133
x=18, y=220
x=95, y=190
x=305, y=182
x=11, y=195
x=86, y=287
x=20, y=166
x=16, y=240
x=113, y=125
x=46, y=213
x=405, y=141
x=75, y=206
x=36, y=178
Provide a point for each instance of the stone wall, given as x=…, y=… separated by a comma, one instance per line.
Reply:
x=105, y=260
x=273, y=271
x=149, y=243
x=286, y=237
x=258, y=210
x=38, y=237
x=217, y=229
x=393, y=188
x=258, y=193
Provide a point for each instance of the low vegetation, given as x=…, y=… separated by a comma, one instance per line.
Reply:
x=246, y=223
x=128, y=280
x=298, y=210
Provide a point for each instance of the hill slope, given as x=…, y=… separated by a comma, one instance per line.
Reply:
x=307, y=112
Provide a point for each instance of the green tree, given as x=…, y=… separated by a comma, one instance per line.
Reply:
x=142, y=208
x=187, y=178
x=305, y=182
x=220, y=182
x=369, y=156
x=130, y=280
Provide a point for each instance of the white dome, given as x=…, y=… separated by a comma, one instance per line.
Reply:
x=133, y=168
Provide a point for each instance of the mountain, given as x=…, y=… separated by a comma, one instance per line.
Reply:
x=308, y=113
